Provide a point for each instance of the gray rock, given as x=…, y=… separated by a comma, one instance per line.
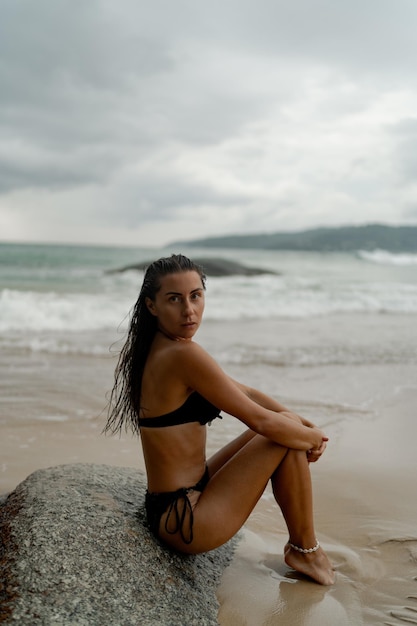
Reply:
x=212, y=267
x=74, y=551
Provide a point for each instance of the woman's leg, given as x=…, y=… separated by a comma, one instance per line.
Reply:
x=234, y=490
x=223, y=455
x=292, y=478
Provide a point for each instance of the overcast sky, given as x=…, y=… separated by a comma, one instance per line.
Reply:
x=133, y=122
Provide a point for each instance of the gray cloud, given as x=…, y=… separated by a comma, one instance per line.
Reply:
x=357, y=36
x=405, y=137
x=160, y=198
x=242, y=115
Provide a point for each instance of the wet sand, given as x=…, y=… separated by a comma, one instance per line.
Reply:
x=365, y=485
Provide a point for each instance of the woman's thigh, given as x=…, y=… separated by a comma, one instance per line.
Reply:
x=230, y=496
x=222, y=456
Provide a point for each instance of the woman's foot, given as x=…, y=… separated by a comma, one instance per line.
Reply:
x=316, y=565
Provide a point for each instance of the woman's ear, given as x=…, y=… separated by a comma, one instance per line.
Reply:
x=150, y=306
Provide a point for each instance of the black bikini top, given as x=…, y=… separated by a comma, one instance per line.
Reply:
x=195, y=409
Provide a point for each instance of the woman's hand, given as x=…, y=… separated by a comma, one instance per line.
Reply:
x=314, y=454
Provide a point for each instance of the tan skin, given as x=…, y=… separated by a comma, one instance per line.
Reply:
x=278, y=444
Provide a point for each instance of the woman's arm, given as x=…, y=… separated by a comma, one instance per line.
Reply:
x=200, y=372
x=269, y=403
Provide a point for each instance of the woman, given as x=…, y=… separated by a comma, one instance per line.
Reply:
x=167, y=388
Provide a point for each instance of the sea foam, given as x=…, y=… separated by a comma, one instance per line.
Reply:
x=38, y=311
x=384, y=257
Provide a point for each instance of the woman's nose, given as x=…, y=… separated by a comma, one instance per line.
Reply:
x=187, y=307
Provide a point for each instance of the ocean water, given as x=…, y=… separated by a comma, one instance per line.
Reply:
x=64, y=299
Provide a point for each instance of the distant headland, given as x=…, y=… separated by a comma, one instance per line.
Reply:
x=343, y=239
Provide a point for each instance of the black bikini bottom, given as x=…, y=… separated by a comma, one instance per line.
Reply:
x=179, y=503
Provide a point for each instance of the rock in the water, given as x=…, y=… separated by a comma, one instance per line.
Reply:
x=75, y=551
x=211, y=266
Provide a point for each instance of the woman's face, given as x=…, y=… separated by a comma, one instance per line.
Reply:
x=179, y=304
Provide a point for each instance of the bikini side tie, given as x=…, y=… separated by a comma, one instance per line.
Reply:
x=182, y=496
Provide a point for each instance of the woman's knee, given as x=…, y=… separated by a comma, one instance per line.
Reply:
x=293, y=457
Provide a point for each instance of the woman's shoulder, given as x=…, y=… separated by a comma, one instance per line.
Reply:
x=186, y=355
x=196, y=363
x=179, y=353
x=191, y=349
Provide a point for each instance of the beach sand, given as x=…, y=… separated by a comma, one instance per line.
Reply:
x=365, y=484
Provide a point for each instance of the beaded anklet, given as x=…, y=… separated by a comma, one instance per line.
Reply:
x=305, y=550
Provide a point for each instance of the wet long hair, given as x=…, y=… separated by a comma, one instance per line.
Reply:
x=124, y=402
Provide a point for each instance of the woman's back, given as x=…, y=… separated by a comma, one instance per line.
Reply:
x=174, y=454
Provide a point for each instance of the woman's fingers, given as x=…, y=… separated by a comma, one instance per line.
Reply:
x=314, y=454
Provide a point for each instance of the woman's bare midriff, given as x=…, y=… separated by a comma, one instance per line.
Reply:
x=174, y=456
